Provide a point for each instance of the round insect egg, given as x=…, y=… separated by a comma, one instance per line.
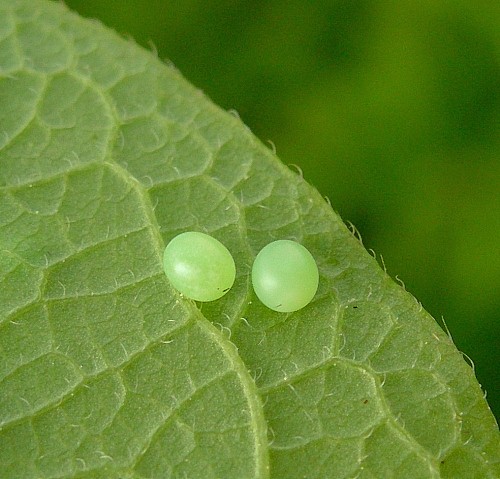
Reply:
x=285, y=276
x=199, y=266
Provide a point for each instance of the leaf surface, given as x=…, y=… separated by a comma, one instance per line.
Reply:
x=106, y=154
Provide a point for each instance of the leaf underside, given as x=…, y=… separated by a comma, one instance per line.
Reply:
x=106, y=372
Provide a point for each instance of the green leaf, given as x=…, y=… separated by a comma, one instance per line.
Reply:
x=106, y=372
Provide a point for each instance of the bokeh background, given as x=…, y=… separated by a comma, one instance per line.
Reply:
x=390, y=107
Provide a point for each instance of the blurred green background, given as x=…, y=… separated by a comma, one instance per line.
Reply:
x=391, y=109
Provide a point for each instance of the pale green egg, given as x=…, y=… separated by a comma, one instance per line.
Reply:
x=199, y=266
x=285, y=276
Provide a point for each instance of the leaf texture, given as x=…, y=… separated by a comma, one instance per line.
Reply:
x=106, y=372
